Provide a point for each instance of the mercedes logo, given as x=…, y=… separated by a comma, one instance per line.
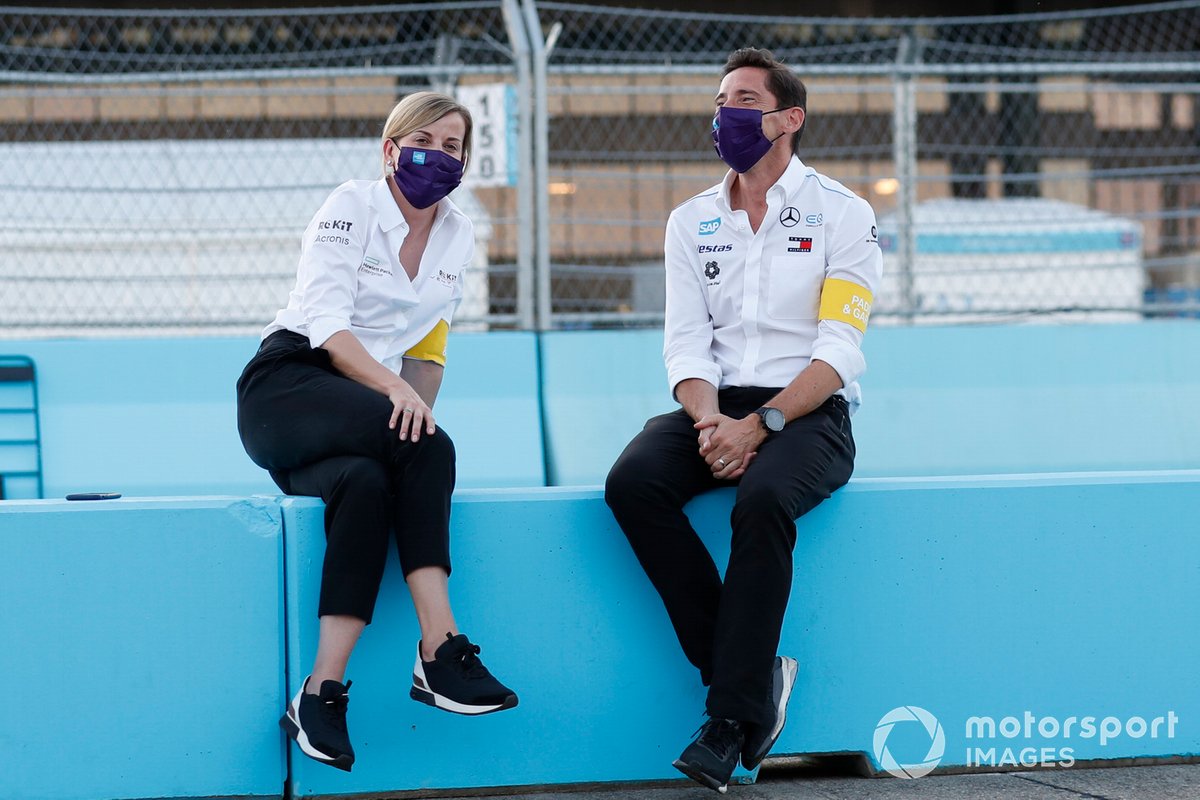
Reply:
x=789, y=217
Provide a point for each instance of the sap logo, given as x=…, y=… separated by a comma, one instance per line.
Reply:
x=714, y=248
x=709, y=226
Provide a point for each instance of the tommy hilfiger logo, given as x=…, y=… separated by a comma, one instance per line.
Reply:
x=800, y=244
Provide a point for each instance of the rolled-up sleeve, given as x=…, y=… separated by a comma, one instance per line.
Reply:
x=854, y=258
x=688, y=331
x=330, y=255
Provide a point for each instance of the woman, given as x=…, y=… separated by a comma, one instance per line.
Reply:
x=338, y=404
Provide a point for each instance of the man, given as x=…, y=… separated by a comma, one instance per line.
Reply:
x=770, y=276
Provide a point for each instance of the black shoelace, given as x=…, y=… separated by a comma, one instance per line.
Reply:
x=722, y=736
x=468, y=661
x=335, y=708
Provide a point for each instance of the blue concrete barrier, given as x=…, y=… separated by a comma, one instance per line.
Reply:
x=937, y=401
x=1058, y=595
x=154, y=417
x=547, y=586
x=141, y=646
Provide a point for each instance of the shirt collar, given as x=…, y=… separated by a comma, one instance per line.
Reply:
x=788, y=183
x=390, y=215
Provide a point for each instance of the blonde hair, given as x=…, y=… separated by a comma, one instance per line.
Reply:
x=420, y=109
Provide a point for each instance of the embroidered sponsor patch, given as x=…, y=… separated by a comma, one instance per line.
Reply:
x=373, y=266
x=846, y=301
x=709, y=226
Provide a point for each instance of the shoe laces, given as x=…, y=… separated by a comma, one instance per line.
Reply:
x=722, y=736
x=467, y=658
x=335, y=708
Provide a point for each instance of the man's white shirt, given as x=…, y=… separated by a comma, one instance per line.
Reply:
x=743, y=308
x=350, y=277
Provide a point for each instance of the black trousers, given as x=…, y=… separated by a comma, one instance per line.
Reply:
x=324, y=435
x=729, y=631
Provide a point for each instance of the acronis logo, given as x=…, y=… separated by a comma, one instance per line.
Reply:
x=709, y=226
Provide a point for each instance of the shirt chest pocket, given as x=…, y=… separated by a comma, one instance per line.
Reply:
x=793, y=286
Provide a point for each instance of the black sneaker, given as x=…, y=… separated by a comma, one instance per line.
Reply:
x=760, y=739
x=456, y=680
x=318, y=724
x=712, y=757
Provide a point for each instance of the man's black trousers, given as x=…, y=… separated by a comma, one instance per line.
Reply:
x=729, y=631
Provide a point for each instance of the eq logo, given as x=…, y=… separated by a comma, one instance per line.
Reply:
x=789, y=217
x=709, y=226
x=905, y=715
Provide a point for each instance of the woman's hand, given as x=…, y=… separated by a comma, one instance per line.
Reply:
x=409, y=412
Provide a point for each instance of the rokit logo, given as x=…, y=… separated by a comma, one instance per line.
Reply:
x=714, y=248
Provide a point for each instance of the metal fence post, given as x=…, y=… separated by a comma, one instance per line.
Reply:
x=904, y=153
x=525, y=174
x=541, y=158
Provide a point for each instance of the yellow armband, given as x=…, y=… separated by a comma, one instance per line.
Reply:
x=433, y=346
x=846, y=302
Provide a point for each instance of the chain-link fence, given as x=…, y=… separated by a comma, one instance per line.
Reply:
x=158, y=167
x=1041, y=164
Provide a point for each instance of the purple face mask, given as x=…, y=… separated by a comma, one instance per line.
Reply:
x=738, y=136
x=426, y=176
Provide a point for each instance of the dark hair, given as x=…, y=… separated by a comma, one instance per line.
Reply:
x=787, y=87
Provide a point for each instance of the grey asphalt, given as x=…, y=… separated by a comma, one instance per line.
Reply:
x=1160, y=782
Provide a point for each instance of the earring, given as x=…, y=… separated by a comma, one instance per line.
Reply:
x=389, y=165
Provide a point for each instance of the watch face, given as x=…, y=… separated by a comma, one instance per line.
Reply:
x=774, y=419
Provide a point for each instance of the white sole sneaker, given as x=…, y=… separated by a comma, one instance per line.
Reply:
x=781, y=689
x=423, y=693
x=290, y=722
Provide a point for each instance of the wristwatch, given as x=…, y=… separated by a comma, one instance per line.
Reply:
x=772, y=419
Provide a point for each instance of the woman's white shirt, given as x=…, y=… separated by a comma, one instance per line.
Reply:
x=350, y=277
